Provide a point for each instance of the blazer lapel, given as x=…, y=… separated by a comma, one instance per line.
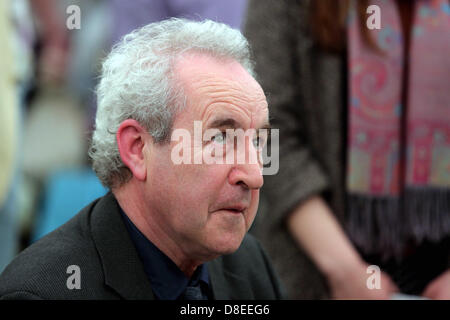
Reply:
x=227, y=285
x=122, y=266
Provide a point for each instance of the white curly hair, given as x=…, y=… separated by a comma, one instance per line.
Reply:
x=137, y=82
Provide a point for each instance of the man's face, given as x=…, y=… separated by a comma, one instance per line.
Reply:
x=206, y=209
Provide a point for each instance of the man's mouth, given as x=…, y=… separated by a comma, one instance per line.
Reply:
x=233, y=211
x=235, y=208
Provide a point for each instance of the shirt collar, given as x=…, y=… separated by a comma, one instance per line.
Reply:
x=167, y=281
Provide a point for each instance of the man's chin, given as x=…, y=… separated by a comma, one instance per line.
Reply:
x=229, y=246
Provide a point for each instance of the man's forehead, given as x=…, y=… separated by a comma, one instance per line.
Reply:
x=222, y=88
x=192, y=67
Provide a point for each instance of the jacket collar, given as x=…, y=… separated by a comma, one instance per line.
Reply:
x=123, y=270
x=227, y=285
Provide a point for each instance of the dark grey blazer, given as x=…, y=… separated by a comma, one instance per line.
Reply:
x=97, y=241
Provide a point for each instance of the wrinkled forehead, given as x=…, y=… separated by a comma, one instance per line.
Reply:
x=214, y=85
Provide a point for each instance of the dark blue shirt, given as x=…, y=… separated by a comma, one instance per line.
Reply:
x=168, y=282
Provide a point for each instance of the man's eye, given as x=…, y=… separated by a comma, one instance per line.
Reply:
x=258, y=142
x=219, y=137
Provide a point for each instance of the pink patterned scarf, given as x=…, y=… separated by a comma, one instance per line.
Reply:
x=398, y=175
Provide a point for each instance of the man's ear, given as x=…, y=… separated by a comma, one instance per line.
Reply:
x=131, y=141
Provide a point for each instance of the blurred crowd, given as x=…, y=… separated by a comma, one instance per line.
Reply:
x=364, y=119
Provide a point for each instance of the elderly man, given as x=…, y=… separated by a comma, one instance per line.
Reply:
x=167, y=230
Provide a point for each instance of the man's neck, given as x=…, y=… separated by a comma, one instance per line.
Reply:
x=132, y=202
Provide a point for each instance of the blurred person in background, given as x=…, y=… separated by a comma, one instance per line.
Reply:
x=129, y=15
x=16, y=65
x=59, y=180
x=8, y=143
x=54, y=41
x=364, y=145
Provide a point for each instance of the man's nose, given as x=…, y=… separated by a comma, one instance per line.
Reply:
x=249, y=175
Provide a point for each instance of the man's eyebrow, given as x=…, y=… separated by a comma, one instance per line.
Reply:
x=224, y=122
x=231, y=123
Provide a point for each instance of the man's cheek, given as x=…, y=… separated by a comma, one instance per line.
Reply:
x=253, y=205
x=255, y=197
